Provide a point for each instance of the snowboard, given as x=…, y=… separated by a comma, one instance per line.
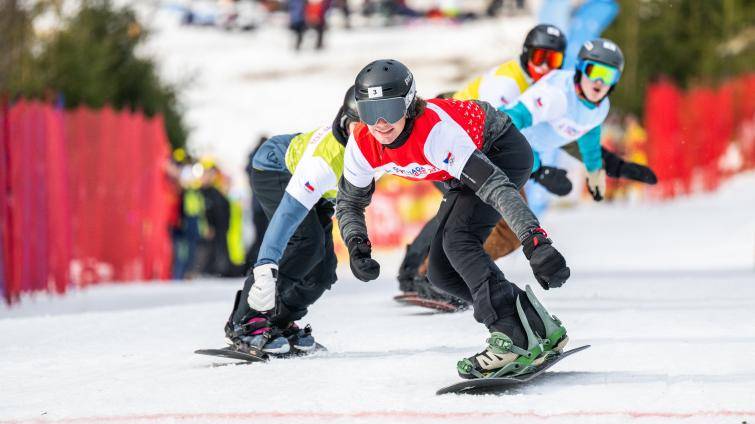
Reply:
x=437, y=305
x=404, y=297
x=487, y=384
x=231, y=353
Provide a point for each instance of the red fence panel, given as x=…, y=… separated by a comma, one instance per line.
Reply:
x=5, y=245
x=743, y=93
x=84, y=198
x=35, y=245
x=664, y=136
x=59, y=214
x=118, y=160
x=691, y=134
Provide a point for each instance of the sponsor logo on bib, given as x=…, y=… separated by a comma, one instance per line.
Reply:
x=413, y=170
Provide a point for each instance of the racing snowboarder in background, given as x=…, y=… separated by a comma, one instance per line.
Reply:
x=485, y=160
x=572, y=104
x=295, y=181
x=501, y=86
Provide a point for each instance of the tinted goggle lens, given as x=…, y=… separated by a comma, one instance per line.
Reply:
x=554, y=59
x=391, y=110
x=599, y=71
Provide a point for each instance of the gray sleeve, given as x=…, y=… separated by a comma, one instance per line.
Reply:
x=350, y=205
x=500, y=193
x=496, y=123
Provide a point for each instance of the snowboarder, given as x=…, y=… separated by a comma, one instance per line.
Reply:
x=485, y=160
x=542, y=52
x=572, y=104
x=501, y=86
x=295, y=180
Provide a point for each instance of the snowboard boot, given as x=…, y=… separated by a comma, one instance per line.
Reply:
x=503, y=358
x=430, y=297
x=406, y=284
x=407, y=273
x=300, y=339
x=254, y=333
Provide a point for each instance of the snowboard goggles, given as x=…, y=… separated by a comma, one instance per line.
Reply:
x=391, y=109
x=600, y=71
x=553, y=58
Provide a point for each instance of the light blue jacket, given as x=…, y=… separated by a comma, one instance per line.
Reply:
x=550, y=114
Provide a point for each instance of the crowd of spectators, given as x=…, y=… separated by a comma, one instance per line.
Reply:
x=313, y=15
x=207, y=225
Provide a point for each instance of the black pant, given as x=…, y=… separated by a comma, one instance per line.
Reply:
x=308, y=265
x=458, y=263
x=417, y=250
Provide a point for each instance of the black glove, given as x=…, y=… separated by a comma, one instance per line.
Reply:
x=553, y=179
x=362, y=265
x=547, y=263
x=616, y=167
x=596, y=184
x=636, y=172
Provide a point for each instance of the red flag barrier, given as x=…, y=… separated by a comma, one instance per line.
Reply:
x=698, y=138
x=84, y=198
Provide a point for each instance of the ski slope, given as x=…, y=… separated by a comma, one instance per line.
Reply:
x=664, y=293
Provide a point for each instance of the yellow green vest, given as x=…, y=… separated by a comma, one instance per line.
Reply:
x=511, y=69
x=318, y=143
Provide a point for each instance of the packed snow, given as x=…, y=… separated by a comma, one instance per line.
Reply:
x=664, y=293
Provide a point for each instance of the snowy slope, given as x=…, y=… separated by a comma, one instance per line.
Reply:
x=665, y=299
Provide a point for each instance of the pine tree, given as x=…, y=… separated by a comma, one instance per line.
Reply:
x=92, y=61
x=688, y=41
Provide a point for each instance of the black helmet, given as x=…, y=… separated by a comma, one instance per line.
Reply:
x=384, y=89
x=350, y=105
x=603, y=51
x=542, y=36
x=347, y=114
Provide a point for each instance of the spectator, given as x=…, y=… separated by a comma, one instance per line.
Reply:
x=495, y=6
x=218, y=215
x=192, y=226
x=343, y=5
x=305, y=14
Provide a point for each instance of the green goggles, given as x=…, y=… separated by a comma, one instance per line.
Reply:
x=600, y=71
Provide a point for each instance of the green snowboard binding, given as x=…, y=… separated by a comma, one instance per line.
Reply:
x=504, y=359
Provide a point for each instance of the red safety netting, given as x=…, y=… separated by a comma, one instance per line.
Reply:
x=36, y=244
x=5, y=260
x=697, y=138
x=85, y=198
x=743, y=92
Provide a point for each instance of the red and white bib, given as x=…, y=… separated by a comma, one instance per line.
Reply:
x=443, y=138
